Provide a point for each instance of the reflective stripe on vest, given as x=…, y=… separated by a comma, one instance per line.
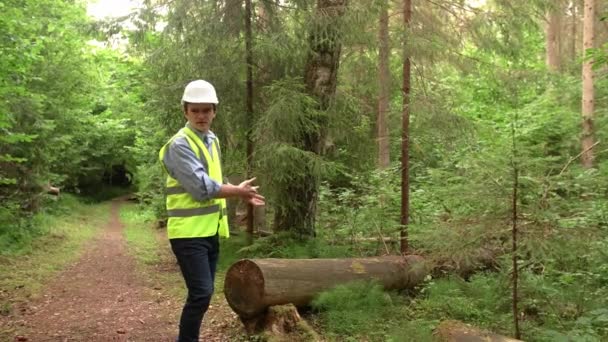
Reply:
x=187, y=216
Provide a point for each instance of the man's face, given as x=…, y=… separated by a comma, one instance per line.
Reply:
x=200, y=115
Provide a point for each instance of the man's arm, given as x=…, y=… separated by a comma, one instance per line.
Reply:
x=183, y=164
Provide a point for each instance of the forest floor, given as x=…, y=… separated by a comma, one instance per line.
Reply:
x=106, y=295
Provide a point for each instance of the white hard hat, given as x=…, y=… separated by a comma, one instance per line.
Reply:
x=199, y=91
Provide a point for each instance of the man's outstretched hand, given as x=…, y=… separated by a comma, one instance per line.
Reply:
x=250, y=193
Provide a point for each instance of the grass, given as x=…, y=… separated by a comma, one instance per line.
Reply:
x=60, y=238
x=140, y=236
x=363, y=311
x=150, y=248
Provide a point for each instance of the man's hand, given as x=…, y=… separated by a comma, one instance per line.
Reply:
x=245, y=191
x=256, y=200
x=250, y=194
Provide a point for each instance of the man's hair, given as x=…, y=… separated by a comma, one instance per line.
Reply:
x=186, y=106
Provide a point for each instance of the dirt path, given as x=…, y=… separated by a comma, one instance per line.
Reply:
x=102, y=298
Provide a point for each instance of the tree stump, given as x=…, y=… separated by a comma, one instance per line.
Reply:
x=456, y=331
x=281, y=323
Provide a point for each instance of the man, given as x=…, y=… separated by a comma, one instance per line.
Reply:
x=196, y=203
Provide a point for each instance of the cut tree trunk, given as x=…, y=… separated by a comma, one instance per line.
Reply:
x=51, y=190
x=464, y=265
x=482, y=259
x=253, y=285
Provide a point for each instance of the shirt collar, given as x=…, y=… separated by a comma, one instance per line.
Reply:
x=207, y=138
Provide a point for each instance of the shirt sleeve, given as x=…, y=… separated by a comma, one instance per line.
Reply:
x=182, y=164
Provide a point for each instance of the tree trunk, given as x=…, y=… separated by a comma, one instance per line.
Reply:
x=573, y=31
x=587, y=139
x=321, y=74
x=249, y=105
x=252, y=285
x=383, y=90
x=405, y=152
x=232, y=16
x=553, y=38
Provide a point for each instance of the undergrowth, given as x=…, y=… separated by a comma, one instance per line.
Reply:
x=18, y=233
x=358, y=309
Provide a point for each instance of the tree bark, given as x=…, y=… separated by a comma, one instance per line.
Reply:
x=252, y=285
x=405, y=152
x=553, y=38
x=573, y=31
x=321, y=74
x=232, y=15
x=249, y=105
x=587, y=139
x=383, y=90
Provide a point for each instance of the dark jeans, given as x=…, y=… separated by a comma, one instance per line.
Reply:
x=197, y=258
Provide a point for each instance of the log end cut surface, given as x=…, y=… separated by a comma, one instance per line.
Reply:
x=244, y=288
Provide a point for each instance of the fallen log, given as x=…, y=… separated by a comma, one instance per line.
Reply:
x=253, y=285
x=263, y=233
x=463, y=264
x=51, y=190
x=456, y=331
x=482, y=259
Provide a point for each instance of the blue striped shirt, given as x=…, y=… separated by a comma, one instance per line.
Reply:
x=191, y=172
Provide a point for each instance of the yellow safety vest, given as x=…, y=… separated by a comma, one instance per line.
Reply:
x=188, y=217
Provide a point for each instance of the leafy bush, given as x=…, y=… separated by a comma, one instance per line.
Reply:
x=19, y=229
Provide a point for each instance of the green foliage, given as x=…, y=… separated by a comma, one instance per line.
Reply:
x=71, y=112
x=368, y=206
x=143, y=243
x=484, y=300
x=356, y=310
x=289, y=246
x=281, y=157
x=18, y=233
x=64, y=109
